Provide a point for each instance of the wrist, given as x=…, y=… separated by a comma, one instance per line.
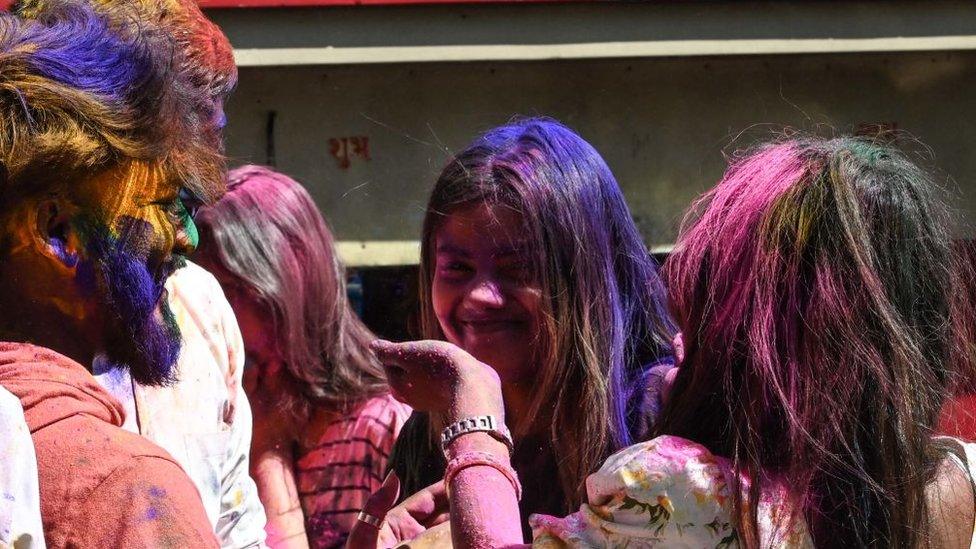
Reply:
x=474, y=405
x=486, y=424
x=475, y=442
x=469, y=460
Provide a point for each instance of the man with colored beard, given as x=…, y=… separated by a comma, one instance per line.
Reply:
x=91, y=226
x=202, y=418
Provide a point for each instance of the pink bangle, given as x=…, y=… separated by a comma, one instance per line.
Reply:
x=470, y=459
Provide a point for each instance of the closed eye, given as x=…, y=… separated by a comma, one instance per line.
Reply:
x=452, y=269
x=456, y=266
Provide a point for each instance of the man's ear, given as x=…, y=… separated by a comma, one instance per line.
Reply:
x=54, y=233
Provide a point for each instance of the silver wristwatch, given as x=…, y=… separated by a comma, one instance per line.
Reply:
x=478, y=424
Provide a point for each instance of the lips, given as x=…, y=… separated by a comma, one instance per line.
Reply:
x=485, y=326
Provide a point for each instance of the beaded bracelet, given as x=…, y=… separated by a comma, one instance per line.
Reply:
x=470, y=459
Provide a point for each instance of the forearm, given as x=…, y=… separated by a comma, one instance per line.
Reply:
x=272, y=471
x=484, y=505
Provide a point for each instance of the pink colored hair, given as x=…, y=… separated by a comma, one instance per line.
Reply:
x=816, y=288
x=269, y=234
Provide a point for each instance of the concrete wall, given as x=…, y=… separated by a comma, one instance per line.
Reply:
x=592, y=22
x=661, y=123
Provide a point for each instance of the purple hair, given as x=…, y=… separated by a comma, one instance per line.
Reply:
x=205, y=75
x=78, y=97
x=815, y=287
x=116, y=272
x=605, y=312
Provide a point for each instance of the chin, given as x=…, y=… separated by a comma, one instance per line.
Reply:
x=142, y=333
x=510, y=369
x=148, y=349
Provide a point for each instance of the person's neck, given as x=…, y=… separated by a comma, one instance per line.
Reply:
x=518, y=397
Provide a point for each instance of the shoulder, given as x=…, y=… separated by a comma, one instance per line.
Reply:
x=198, y=302
x=386, y=414
x=149, y=476
x=664, y=490
x=375, y=422
x=193, y=279
x=154, y=502
x=950, y=495
x=96, y=477
x=120, y=446
x=212, y=357
x=100, y=448
x=664, y=468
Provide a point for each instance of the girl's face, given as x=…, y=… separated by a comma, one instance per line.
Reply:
x=253, y=318
x=484, y=294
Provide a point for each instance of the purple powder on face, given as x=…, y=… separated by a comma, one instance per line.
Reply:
x=136, y=338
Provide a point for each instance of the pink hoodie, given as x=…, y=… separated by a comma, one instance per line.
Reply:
x=100, y=486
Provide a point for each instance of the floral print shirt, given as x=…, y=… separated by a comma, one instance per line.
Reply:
x=666, y=492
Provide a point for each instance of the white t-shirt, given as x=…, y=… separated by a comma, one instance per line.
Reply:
x=20, y=501
x=204, y=419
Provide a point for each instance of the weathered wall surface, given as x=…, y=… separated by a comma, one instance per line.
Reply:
x=661, y=123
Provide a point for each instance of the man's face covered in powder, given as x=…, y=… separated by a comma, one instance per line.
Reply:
x=132, y=232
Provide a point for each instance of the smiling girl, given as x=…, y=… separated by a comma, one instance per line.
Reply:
x=826, y=318
x=531, y=262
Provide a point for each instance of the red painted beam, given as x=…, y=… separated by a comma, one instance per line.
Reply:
x=4, y=4
x=284, y=3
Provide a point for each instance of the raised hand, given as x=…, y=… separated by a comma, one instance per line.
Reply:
x=418, y=513
x=441, y=378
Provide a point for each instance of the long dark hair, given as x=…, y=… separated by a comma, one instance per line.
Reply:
x=604, y=306
x=816, y=290
x=268, y=233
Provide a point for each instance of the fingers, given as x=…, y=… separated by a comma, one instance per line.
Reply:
x=427, y=505
x=363, y=534
x=411, y=354
x=383, y=498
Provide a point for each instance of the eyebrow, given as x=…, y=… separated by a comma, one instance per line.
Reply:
x=448, y=249
x=517, y=249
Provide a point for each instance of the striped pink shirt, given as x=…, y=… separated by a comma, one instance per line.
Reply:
x=337, y=472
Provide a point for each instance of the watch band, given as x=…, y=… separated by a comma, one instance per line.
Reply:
x=478, y=424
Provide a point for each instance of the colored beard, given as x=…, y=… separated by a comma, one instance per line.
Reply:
x=137, y=339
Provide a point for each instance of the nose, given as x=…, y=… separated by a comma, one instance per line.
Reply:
x=488, y=293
